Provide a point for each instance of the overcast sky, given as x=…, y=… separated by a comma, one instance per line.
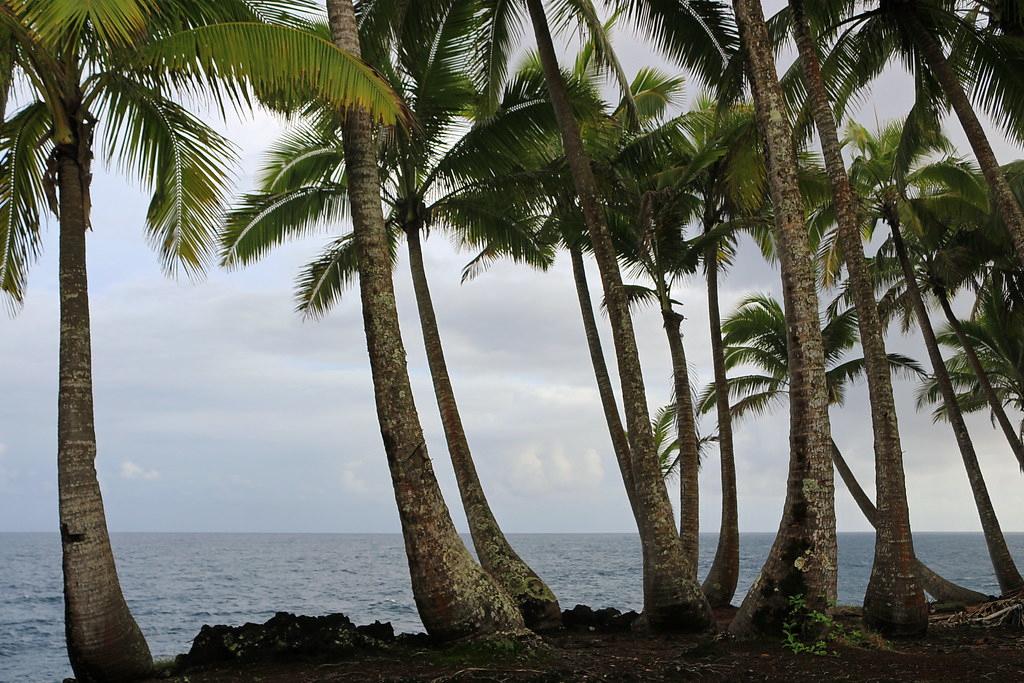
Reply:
x=219, y=409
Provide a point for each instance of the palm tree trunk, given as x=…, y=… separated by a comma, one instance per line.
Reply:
x=104, y=641
x=620, y=443
x=720, y=584
x=686, y=433
x=1006, y=203
x=803, y=559
x=894, y=601
x=994, y=403
x=671, y=599
x=536, y=602
x=1002, y=561
x=453, y=594
x=939, y=588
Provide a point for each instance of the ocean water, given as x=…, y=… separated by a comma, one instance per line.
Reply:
x=175, y=583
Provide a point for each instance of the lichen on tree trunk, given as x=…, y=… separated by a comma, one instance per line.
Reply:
x=671, y=599
x=894, y=601
x=536, y=602
x=454, y=596
x=802, y=560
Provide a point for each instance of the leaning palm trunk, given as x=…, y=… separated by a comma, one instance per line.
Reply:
x=1006, y=204
x=994, y=404
x=620, y=443
x=894, y=601
x=453, y=594
x=536, y=602
x=1002, y=562
x=802, y=560
x=104, y=642
x=720, y=583
x=686, y=434
x=671, y=599
x=939, y=588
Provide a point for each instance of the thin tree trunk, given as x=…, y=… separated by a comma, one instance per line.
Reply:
x=689, y=448
x=720, y=583
x=894, y=602
x=620, y=443
x=983, y=381
x=104, y=641
x=453, y=594
x=1002, y=561
x=1006, y=203
x=536, y=602
x=671, y=599
x=802, y=560
x=939, y=588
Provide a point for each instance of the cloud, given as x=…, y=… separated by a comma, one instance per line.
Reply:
x=130, y=470
x=546, y=470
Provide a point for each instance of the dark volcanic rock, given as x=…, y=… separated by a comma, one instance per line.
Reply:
x=285, y=636
x=607, y=620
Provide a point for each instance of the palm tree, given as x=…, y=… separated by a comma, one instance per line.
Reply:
x=894, y=601
x=891, y=171
x=105, y=74
x=983, y=57
x=994, y=334
x=672, y=600
x=755, y=335
x=454, y=596
x=732, y=189
x=803, y=557
x=427, y=183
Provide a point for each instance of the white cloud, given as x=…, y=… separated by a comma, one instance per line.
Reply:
x=130, y=470
x=542, y=471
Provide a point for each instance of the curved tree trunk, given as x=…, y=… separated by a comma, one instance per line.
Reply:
x=894, y=602
x=994, y=403
x=802, y=560
x=536, y=602
x=454, y=596
x=1002, y=561
x=689, y=448
x=620, y=443
x=939, y=588
x=671, y=599
x=720, y=583
x=104, y=642
x=1006, y=203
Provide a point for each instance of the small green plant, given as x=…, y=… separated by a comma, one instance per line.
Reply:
x=803, y=621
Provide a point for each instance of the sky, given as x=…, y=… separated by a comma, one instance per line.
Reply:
x=219, y=409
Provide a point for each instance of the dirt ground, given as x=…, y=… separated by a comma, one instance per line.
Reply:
x=963, y=653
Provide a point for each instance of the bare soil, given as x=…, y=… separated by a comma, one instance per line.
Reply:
x=960, y=653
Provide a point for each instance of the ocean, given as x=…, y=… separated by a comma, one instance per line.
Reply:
x=175, y=583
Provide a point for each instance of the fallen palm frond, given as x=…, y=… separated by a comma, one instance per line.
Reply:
x=1006, y=611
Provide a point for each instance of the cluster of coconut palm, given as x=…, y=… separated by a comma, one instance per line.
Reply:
x=408, y=117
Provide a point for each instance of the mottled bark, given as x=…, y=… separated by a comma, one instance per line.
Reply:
x=938, y=587
x=104, y=641
x=994, y=404
x=453, y=594
x=620, y=443
x=894, y=602
x=720, y=584
x=1002, y=561
x=536, y=602
x=802, y=560
x=671, y=599
x=686, y=433
x=1006, y=203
